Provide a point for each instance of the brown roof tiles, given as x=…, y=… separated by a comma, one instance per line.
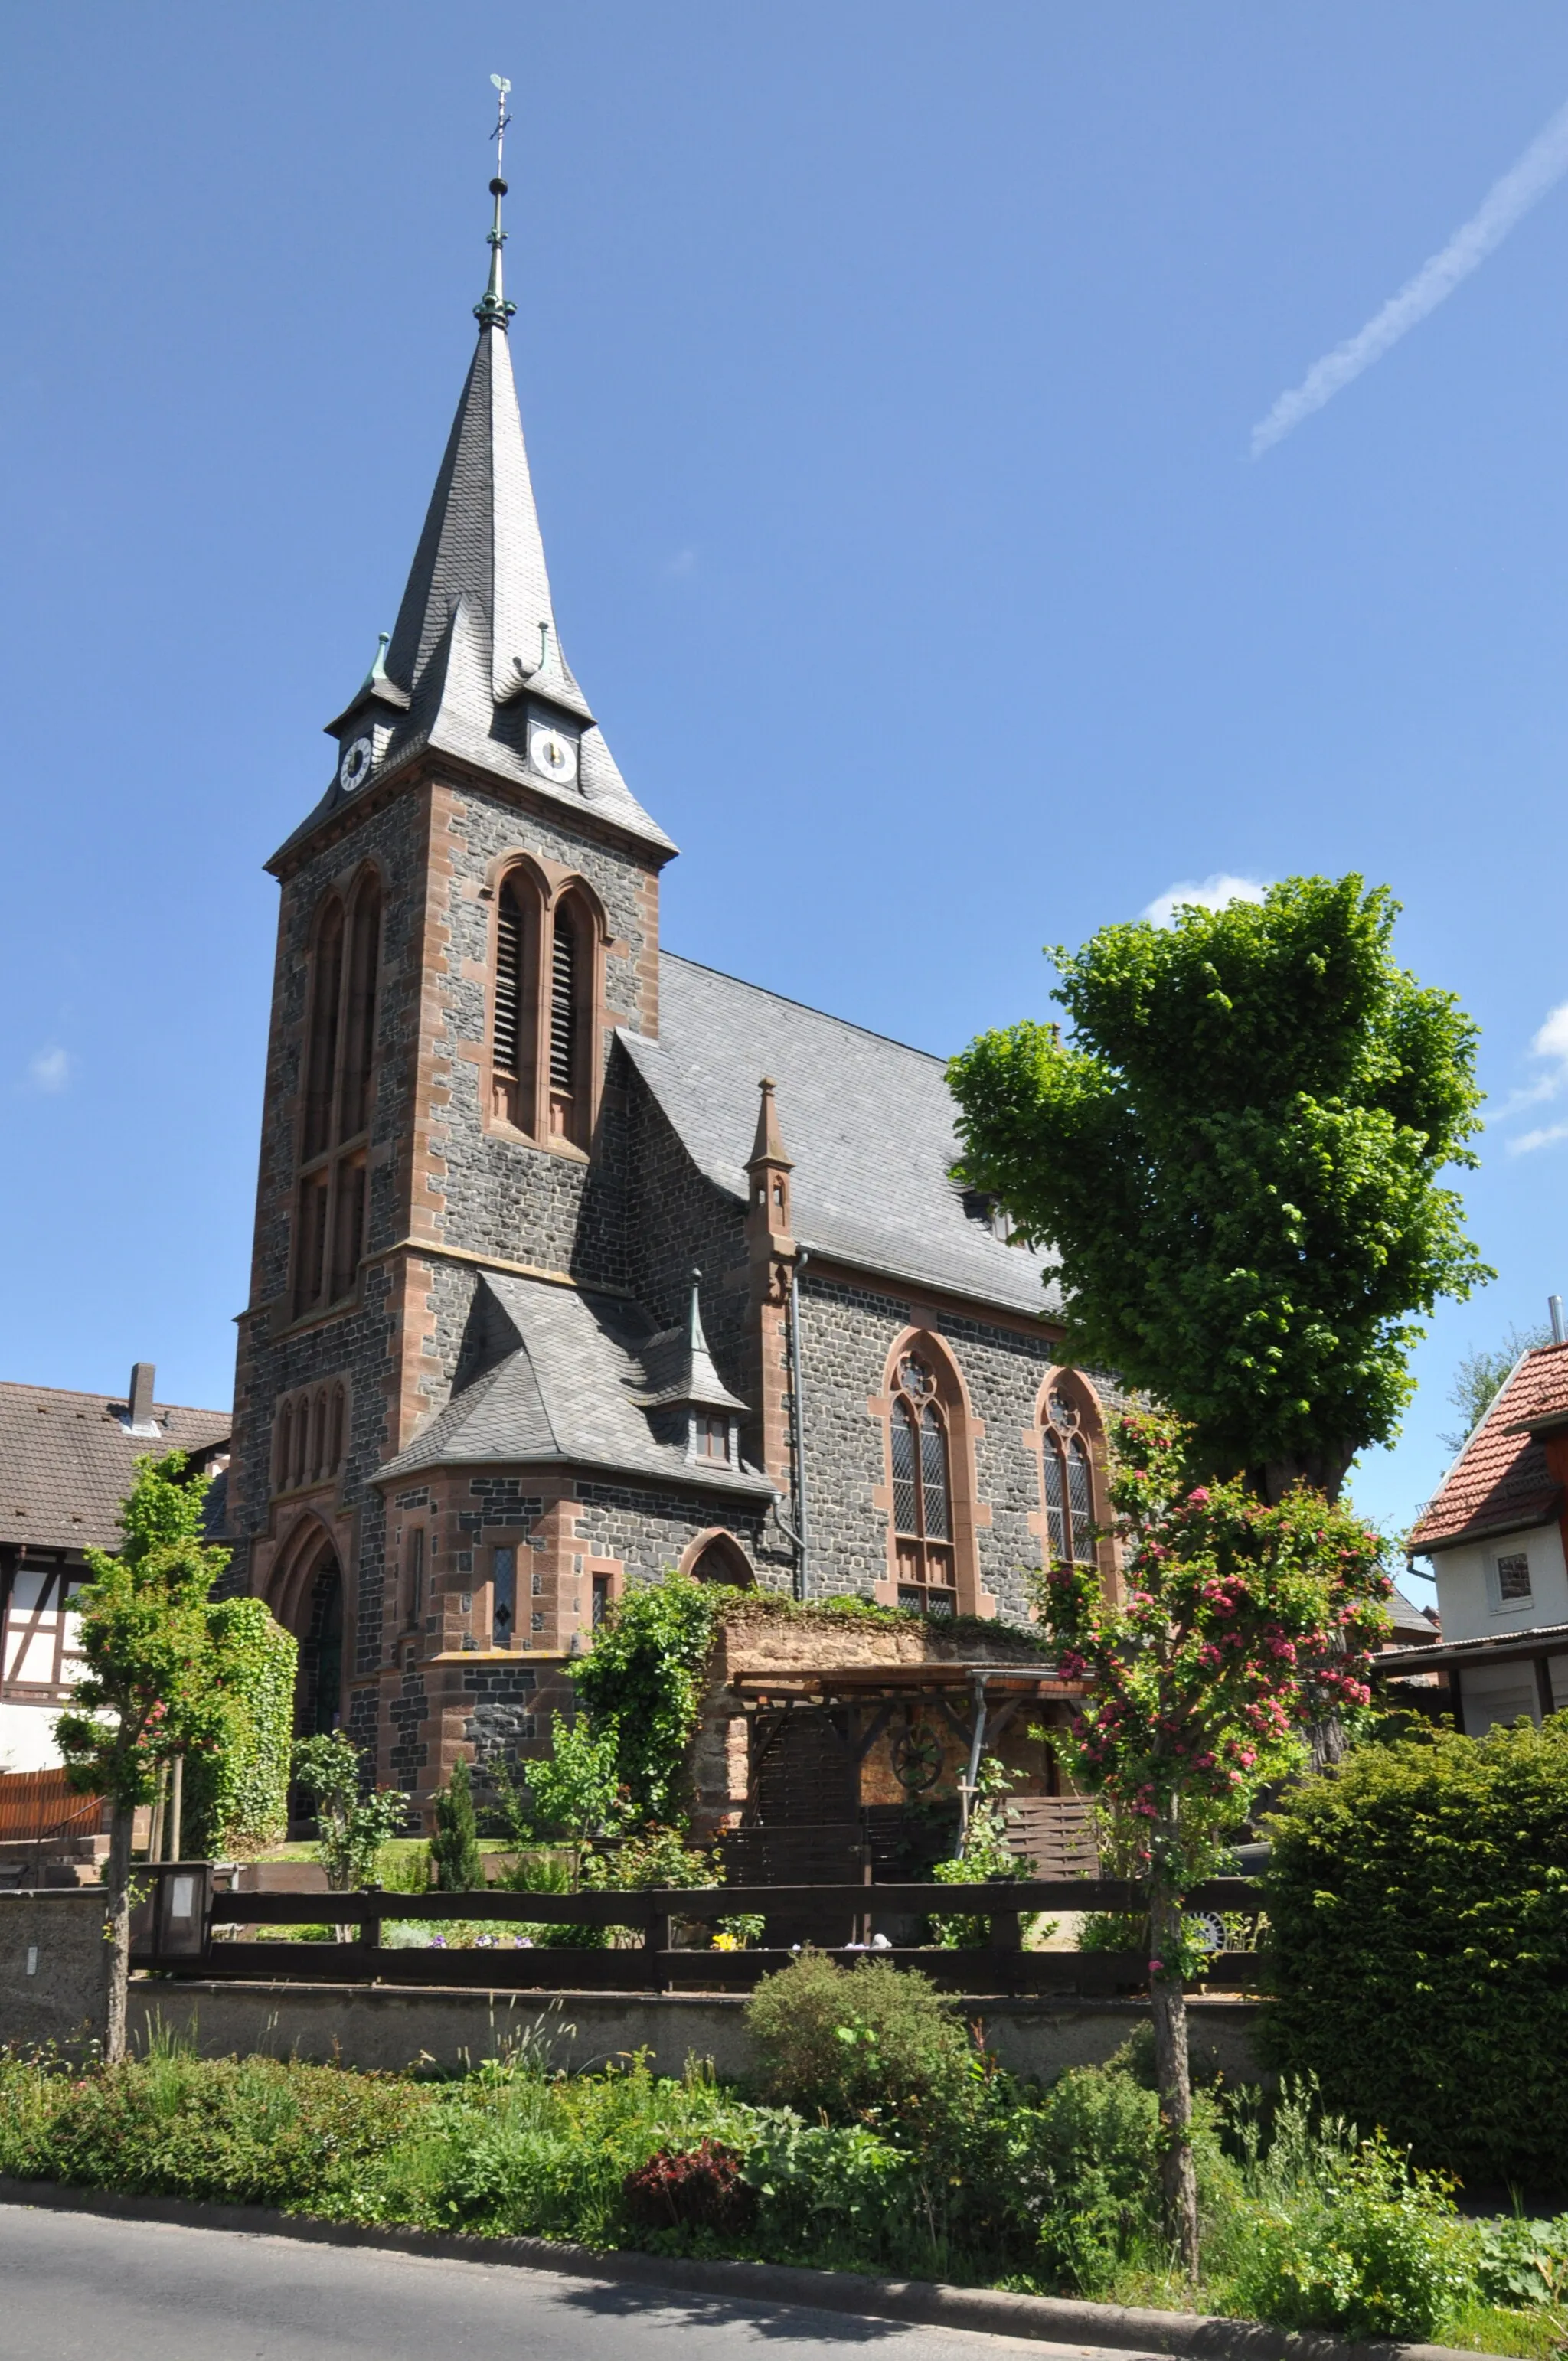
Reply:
x=1500, y=1481
x=67, y=1462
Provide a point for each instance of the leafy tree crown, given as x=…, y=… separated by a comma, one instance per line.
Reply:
x=1234, y=1163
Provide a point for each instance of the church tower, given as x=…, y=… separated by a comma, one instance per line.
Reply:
x=468, y=916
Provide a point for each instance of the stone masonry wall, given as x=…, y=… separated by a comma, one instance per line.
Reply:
x=848, y=1328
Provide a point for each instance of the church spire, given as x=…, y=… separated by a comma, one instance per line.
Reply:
x=494, y=310
x=474, y=666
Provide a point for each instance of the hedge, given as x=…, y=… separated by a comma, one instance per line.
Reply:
x=236, y=1799
x=1418, y=1902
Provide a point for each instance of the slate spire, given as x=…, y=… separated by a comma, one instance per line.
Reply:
x=481, y=543
x=472, y=665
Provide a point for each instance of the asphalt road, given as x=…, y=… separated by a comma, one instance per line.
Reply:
x=76, y=2287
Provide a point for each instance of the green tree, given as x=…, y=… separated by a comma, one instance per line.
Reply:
x=1234, y=1162
x=454, y=1847
x=151, y=1686
x=1479, y=1378
x=353, y=1822
x=576, y=1791
x=1242, y=1624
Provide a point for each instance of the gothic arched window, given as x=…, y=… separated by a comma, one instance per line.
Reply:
x=921, y=1492
x=1070, y=1483
x=339, y=1069
x=514, y=1043
x=572, y=960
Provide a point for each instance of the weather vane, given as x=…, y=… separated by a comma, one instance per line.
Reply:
x=502, y=117
x=494, y=311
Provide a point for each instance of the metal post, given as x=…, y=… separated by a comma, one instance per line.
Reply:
x=977, y=1747
x=174, y=1849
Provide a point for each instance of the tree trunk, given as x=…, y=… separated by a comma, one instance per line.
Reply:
x=1324, y=1470
x=121, y=1823
x=1168, y=1998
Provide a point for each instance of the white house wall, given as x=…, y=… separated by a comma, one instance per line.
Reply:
x=1464, y=1598
x=27, y=1738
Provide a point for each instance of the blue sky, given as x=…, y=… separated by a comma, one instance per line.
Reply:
x=889, y=371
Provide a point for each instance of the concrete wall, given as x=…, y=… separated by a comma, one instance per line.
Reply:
x=387, y=2028
x=53, y=1966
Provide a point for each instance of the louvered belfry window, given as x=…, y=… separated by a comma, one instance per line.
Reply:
x=563, y=1002
x=514, y=1035
x=339, y=1074
x=1069, y=1491
x=922, y=1493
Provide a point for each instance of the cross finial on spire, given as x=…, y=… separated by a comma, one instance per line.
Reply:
x=494, y=312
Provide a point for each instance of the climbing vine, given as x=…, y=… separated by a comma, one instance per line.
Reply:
x=643, y=1680
x=236, y=1794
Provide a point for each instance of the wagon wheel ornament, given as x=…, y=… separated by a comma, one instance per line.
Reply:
x=917, y=1760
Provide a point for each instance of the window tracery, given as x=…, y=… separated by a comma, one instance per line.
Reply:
x=339, y=1076
x=310, y=1430
x=921, y=1492
x=1068, y=1484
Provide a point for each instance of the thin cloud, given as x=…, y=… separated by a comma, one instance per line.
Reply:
x=49, y=1072
x=1550, y=1042
x=1209, y=894
x=676, y=568
x=1529, y=1140
x=1538, y=169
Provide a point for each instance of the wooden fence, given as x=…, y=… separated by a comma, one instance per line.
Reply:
x=195, y=1937
x=37, y=1806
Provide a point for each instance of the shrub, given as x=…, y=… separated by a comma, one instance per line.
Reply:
x=1099, y=2151
x=1417, y=1903
x=454, y=1847
x=831, y=2192
x=236, y=1795
x=695, y=2189
x=870, y=2043
x=1377, y=2252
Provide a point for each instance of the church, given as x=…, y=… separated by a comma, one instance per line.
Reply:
x=575, y=1260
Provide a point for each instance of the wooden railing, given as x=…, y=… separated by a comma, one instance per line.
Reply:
x=837, y=1918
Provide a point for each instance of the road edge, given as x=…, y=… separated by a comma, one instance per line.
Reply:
x=1058, y=2320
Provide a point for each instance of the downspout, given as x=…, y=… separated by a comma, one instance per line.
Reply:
x=797, y=1433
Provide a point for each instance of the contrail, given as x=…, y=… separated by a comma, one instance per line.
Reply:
x=1543, y=163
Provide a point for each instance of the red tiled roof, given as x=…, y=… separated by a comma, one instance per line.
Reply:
x=1500, y=1478
x=67, y=1462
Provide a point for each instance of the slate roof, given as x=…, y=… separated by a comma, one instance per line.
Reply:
x=1501, y=1482
x=559, y=1377
x=868, y=1123
x=476, y=634
x=67, y=1462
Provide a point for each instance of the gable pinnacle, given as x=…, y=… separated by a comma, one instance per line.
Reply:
x=768, y=1148
x=494, y=311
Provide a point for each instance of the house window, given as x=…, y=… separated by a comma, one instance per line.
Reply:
x=600, y=1601
x=922, y=1497
x=339, y=1072
x=1509, y=1583
x=1070, y=1490
x=710, y=1436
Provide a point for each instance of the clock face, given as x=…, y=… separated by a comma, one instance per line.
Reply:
x=354, y=767
x=553, y=755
